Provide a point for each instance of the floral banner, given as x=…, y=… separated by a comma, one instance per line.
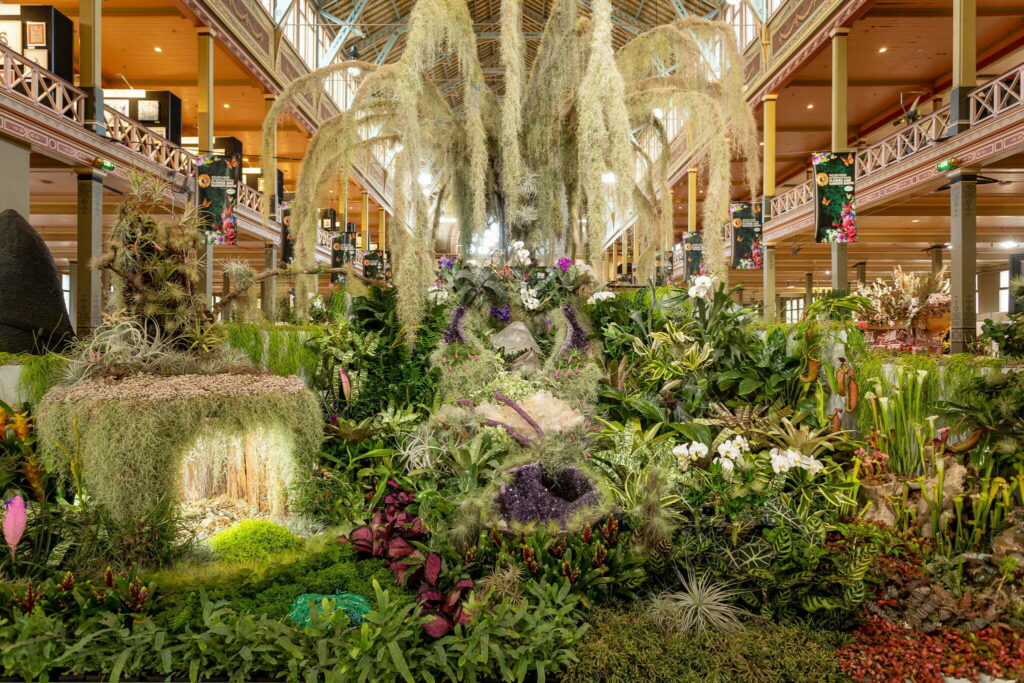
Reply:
x=693, y=250
x=747, y=222
x=339, y=255
x=835, y=215
x=217, y=177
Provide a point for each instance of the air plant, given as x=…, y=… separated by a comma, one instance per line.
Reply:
x=702, y=606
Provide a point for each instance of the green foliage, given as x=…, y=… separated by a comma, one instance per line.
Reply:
x=838, y=305
x=1007, y=335
x=38, y=373
x=282, y=349
x=253, y=540
x=628, y=646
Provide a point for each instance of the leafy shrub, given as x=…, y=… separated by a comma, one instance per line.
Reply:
x=253, y=540
x=628, y=646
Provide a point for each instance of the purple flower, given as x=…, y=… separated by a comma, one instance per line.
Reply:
x=534, y=495
x=502, y=314
x=576, y=336
x=446, y=262
x=564, y=263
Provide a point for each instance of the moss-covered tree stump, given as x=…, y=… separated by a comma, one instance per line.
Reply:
x=136, y=442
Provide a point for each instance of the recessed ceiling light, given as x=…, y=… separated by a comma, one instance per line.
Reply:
x=157, y=49
x=828, y=272
x=227, y=106
x=916, y=220
x=810, y=106
x=883, y=50
x=1008, y=244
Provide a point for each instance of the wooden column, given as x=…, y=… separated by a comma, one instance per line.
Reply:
x=770, y=313
x=936, y=251
x=89, y=285
x=840, y=139
x=366, y=220
x=206, y=137
x=268, y=287
x=808, y=289
x=965, y=63
x=691, y=200
x=768, y=153
x=963, y=251
x=90, y=63
x=382, y=219
x=861, y=269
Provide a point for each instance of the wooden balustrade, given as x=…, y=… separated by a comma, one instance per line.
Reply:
x=27, y=80
x=792, y=199
x=909, y=140
x=998, y=95
x=138, y=138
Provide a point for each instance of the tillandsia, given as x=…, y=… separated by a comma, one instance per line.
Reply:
x=569, y=135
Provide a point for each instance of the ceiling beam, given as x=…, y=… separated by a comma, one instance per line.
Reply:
x=861, y=83
x=345, y=29
x=389, y=44
x=941, y=12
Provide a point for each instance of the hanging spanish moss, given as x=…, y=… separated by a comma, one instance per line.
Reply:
x=578, y=147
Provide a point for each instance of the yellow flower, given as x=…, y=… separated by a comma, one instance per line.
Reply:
x=22, y=425
x=822, y=179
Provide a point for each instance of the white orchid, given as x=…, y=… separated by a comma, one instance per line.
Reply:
x=727, y=464
x=742, y=443
x=810, y=464
x=733, y=448
x=437, y=294
x=528, y=295
x=783, y=460
x=587, y=270
x=689, y=452
x=701, y=287
x=600, y=296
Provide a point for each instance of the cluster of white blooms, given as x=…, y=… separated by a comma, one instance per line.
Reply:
x=600, y=296
x=585, y=269
x=701, y=287
x=785, y=460
x=689, y=452
x=520, y=253
x=731, y=451
x=529, y=297
x=437, y=294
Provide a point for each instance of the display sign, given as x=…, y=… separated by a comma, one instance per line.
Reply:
x=663, y=271
x=747, y=222
x=218, y=192
x=376, y=266
x=835, y=211
x=339, y=255
x=287, y=238
x=693, y=253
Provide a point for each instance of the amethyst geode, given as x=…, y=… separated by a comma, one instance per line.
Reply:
x=533, y=495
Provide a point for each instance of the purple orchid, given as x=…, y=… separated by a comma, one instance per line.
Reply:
x=564, y=263
x=502, y=314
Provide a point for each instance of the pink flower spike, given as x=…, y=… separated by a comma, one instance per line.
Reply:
x=14, y=522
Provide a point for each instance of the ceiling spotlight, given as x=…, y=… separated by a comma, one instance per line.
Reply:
x=157, y=49
x=810, y=106
x=916, y=220
x=883, y=50
x=424, y=178
x=227, y=106
x=658, y=113
x=608, y=178
x=1008, y=244
x=828, y=272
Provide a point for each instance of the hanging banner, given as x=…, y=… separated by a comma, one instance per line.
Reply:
x=338, y=254
x=835, y=211
x=693, y=250
x=287, y=238
x=663, y=272
x=747, y=222
x=217, y=177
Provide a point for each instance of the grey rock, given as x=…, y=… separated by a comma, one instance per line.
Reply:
x=515, y=338
x=33, y=317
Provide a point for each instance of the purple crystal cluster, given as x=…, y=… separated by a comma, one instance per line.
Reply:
x=534, y=495
x=453, y=334
x=576, y=336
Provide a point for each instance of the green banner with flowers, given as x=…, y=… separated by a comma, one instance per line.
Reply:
x=835, y=211
x=693, y=255
x=217, y=177
x=747, y=222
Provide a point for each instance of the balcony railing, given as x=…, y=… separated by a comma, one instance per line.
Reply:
x=138, y=138
x=792, y=199
x=250, y=198
x=998, y=95
x=910, y=140
x=29, y=81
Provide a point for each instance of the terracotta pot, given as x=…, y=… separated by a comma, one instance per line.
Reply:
x=939, y=324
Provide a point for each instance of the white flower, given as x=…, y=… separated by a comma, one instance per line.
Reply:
x=783, y=460
x=810, y=464
x=742, y=443
x=437, y=294
x=729, y=449
x=600, y=296
x=726, y=463
x=529, y=298
x=698, y=450
x=701, y=287
x=518, y=244
x=681, y=451
x=585, y=269
x=523, y=256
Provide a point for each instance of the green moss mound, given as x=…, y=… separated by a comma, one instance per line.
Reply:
x=624, y=647
x=253, y=540
x=125, y=440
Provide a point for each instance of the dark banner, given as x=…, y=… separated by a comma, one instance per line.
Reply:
x=747, y=221
x=287, y=237
x=374, y=265
x=693, y=250
x=835, y=209
x=339, y=254
x=217, y=178
x=663, y=274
